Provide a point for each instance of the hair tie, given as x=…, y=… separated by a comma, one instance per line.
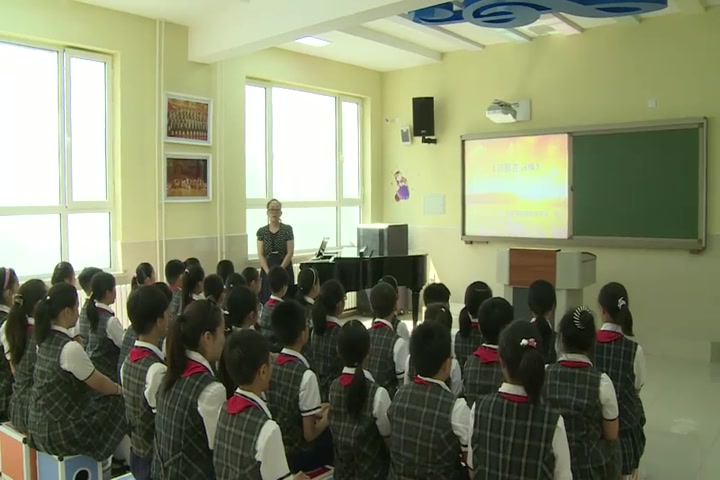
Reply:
x=48, y=298
x=528, y=342
x=621, y=303
x=18, y=299
x=576, y=316
x=7, y=278
x=187, y=271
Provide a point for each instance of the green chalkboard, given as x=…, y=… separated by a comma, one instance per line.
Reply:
x=639, y=184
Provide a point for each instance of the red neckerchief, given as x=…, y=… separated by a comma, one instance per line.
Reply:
x=475, y=325
x=174, y=288
x=284, y=358
x=486, y=354
x=138, y=353
x=100, y=307
x=332, y=325
x=515, y=398
x=607, y=336
x=346, y=379
x=377, y=325
x=574, y=364
x=420, y=381
x=271, y=302
x=192, y=367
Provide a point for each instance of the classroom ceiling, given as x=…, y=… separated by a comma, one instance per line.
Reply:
x=375, y=34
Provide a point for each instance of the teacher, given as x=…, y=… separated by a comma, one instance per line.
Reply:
x=276, y=246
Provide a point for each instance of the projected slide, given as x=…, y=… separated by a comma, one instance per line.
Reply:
x=517, y=187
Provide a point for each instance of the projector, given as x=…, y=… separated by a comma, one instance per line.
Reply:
x=501, y=112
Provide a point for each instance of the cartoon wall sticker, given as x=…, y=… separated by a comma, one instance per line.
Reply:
x=403, y=191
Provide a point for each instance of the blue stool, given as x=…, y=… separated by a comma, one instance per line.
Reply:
x=77, y=467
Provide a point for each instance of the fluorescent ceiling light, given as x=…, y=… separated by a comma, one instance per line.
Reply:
x=313, y=41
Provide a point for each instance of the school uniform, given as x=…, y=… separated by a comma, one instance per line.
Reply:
x=104, y=343
x=483, y=374
x=401, y=329
x=194, y=298
x=248, y=442
x=265, y=323
x=294, y=394
x=388, y=355
x=175, y=305
x=308, y=305
x=584, y=397
x=430, y=430
x=66, y=416
x=624, y=362
x=466, y=346
x=548, y=340
x=142, y=376
x=359, y=445
x=127, y=344
x=22, y=379
x=326, y=361
x=6, y=377
x=512, y=439
x=82, y=327
x=186, y=422
x=454, y=381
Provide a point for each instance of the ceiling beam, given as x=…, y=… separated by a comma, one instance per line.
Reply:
x=517, y=35
x=689, y=6
x=572, y=25
x=394, y=42
x=628, y=20
x=439, y=32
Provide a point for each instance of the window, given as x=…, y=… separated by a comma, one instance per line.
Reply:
x=55, y=200
x=303, y=148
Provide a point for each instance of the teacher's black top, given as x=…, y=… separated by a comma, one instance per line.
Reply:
x=275, y=242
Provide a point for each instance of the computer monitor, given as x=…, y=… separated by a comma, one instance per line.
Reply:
x=323, y=246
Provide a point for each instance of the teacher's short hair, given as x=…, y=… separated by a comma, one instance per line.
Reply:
x=278, y=278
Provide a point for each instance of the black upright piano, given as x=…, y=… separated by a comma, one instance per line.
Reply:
x=360, y=273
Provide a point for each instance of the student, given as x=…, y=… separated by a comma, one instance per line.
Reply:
x=430, y=425
x=174, y=272
x=502, y=424
x=241, y=309
x=542, y=302
x=83, y=326
x=234, y=280
x=308, y=288
x=585, y=397
x=10, y=286
x=143, y=373
x=294, y=394
x=74, y=407
x=224, y=269
x=106, y=331
x=19, y=345
x=468, y=338
x=624, y=362
x=398, y=325
x=63, y=272
x=190, y=261
x=279, y=281
x=214, y=289
x=144, y=275
x=248, y=442
x=483, y=374
x=252, y=279
x=389, y=355
x=192, y=284
x=190, y=397
x=436, y=293
x=329, y=305
x=358, y=411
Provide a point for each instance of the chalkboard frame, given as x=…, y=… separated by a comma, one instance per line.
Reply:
x=694, y=245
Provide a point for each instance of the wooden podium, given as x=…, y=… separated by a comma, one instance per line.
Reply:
x=569, y=272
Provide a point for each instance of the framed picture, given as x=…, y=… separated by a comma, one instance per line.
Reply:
x=188, y=119
x=188, y=177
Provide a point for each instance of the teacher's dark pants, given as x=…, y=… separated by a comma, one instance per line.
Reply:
x=273, y=260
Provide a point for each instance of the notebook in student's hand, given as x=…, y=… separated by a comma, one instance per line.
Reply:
x=322, y=473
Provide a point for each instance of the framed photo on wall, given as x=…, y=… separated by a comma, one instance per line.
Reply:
x=188, y=177
x=188, y=119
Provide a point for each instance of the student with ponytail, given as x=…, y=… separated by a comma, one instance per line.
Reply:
x=624, y=362
x=63, y=272
x=469, y=338
x=214, y=289
x=241, y=311
x=399, y=326
x=82, y=329
x=328, y=306
x=234, y=280
x=190, y=398
x=224, y=269
x=358, y=411
x=74, y=408
x=542, y=301
x=502, y=423
x=144, y=275
x=10, y=286
x=192, y=284
x=308, y=288
x=106, y=331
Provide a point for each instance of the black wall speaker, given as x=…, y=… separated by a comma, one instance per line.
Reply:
x=423, y=116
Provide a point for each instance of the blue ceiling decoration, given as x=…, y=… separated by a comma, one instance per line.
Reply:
x=518, y=13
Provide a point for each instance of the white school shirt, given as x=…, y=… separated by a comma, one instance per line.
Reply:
x=337, y=321
x=269, y=448
x=210, y=400
x=154, y=376
x=277, y=299
x=560, y=447
x=608, y=399
x=460, y=418
x=73, y=357
x=309, y=401
x=400, y=351
x=309, y=300
x=4, y=340
x=198, y=296
x=639, y=365
x=381, y=403
x=456, y=382
x=403, y=331
x=114, y=329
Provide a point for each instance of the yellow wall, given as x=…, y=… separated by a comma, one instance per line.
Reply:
x=604, y=75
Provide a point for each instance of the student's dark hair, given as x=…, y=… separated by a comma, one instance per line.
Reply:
x=493, y=316
x=8, y=279
x=85, y=277
x=382, y=300
x=613, y=297
x=288, y=322
x=436, y=293
x=165, y=289
x=234, y=280
x=213, y=287
x=520, y=352
x=100, y=284
x=199, y=317
x=278, y=278
x=307, y=278
x=173, y=270
x=541, y=300
x=250, y=274
x=224, y=269
x=194, y=275
x=353, y=347
x=475, y=294
x=145, y=305
x=62, y=271
x=430, y=348
x=191, y=261
x=439, y=312
x=16, y=328
x=331, y=293
x=245, y=352
x=239, y=303
x=577, y=331
x=390, y=280
x=142, y=273
x=61, y=296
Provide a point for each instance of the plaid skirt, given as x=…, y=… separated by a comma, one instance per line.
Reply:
x=19, y=410
x=632, y=447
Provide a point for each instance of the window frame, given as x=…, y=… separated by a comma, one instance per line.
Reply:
x=66, y=205
x=340, y=200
